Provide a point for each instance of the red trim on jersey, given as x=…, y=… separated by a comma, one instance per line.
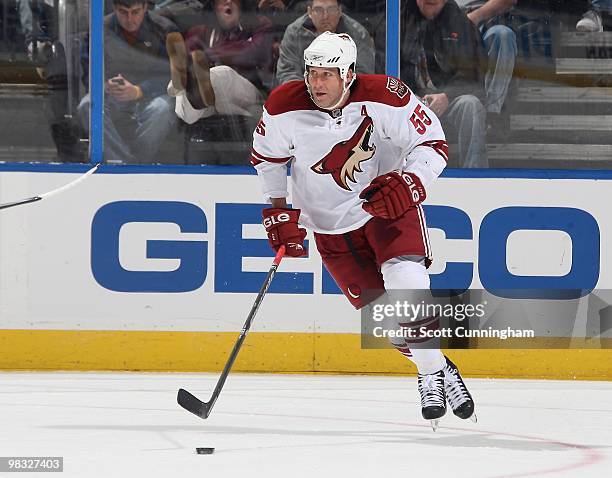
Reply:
x=380, y=89
x=290, y=96
x=405, y=351
x=257, y=158
x=439, y=146
x=293, y=95
x=424, y=233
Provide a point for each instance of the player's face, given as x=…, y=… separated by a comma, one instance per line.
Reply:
x=228, y=13
x=430, y=8
x=130, y=18
x=325, y=15
x=325, y=86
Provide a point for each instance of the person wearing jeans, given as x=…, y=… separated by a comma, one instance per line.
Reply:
x=150, y=120
x=500, y=43
x=444, y=62
x=25, y=19
x=591, y=21
x=138, y=113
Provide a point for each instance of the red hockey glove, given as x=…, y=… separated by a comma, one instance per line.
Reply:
x=282, y=227
x=389, y=196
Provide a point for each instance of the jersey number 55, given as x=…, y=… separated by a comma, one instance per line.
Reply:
x=420, y=120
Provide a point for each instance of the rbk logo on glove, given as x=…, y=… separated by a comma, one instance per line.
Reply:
x=282, y=227
x=389, y=196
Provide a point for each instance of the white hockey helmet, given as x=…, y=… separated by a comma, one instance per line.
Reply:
x=332, y=50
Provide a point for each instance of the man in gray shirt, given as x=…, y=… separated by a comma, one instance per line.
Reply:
x=321, y=16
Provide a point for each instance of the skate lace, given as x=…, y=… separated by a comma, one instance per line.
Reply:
x=456, y=391
x=431, y=388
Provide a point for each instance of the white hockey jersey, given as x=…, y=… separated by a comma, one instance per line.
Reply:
x=334, y=155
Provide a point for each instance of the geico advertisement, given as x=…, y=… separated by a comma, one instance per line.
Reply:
x=187, y=251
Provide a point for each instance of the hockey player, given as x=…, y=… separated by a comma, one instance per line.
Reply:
x=363, y=151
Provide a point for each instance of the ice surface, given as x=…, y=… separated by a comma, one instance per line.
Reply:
x=129, y=425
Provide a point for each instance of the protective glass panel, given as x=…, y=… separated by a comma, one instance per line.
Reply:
x=40, y=80
x=185, y=80
x=527, y=87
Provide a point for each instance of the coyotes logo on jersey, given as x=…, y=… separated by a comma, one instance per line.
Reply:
x=345, y=158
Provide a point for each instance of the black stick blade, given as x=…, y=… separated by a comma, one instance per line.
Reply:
x=192, y=404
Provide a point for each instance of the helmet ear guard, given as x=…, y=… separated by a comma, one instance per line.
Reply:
x=332, y=50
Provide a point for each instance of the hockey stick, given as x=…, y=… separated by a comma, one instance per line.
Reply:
x=53, y=192
x=202, y=409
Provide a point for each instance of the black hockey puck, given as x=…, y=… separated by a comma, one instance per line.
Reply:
x=205, y=451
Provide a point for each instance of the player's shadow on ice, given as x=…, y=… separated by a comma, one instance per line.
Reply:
x=444, y=437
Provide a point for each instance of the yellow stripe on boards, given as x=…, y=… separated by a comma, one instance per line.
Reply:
x=274, y=352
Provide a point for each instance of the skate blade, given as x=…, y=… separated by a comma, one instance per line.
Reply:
x=474, y=418
x=434, y=424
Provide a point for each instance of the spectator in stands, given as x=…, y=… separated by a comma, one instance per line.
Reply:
x=591, y=21
x=26, y=19
x=221, y=68
x=354, y=6
x=136, y=105
x=296, y=6
x=281, y=13
x=443, y=60
x=321, y=16
x=271, y=5
x=185, y=13
x=500, y=42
